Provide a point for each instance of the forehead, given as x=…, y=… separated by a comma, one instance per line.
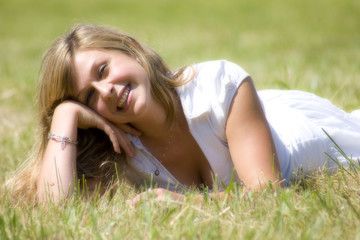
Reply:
x=85, y=59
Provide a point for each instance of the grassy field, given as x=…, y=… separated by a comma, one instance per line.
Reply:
x=299, y=44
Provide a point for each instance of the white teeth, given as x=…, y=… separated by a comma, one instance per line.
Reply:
x=122, y=102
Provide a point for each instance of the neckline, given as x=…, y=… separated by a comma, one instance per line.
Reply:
x=160, y=167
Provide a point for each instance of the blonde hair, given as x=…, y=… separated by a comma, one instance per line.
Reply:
x=95, y=156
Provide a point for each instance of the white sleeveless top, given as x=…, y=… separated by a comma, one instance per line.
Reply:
x=296, y=121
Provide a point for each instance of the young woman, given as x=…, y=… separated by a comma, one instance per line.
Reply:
x=109, y=104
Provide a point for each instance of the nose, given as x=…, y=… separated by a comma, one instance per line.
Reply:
x=105, y=89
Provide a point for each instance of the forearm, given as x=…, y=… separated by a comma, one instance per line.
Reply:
x=58, y=166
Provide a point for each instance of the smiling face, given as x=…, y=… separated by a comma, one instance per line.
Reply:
x=113, y=84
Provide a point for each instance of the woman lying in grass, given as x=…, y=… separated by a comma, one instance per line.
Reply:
x=109, y=106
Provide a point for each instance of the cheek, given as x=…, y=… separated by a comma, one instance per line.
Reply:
x=101, y=108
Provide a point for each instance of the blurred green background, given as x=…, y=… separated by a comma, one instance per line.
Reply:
x=312, y=45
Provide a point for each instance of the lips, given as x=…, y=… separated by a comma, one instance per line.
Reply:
x=123, y=98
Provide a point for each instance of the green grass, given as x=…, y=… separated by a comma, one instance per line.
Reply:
x=299, y=44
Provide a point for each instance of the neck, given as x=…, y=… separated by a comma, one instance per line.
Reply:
x=157, y=127
x=155, y=130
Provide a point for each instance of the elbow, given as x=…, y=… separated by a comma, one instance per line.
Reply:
x=264, y=184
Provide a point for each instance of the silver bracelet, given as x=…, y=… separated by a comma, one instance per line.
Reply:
x=62, y=139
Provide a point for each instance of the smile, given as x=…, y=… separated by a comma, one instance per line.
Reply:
x=123, y=99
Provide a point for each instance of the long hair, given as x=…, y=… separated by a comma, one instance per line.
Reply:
x=95, y=155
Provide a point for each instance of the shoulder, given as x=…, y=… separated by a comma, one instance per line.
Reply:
x=214, y=75
x=213, y=86
x=218, y=69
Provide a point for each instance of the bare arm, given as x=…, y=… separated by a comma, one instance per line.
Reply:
x=250, y=142
x=58, y=168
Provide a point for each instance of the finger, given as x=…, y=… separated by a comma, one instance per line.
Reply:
x=130, y=203
x=135, y=201
x=113, y=138
x=118, y=138
x=125, y=143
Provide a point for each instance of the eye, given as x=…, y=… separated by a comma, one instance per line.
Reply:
x=102, y=70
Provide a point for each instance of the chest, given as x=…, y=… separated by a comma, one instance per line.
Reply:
x=184, y=159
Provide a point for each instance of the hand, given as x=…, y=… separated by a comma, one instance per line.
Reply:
x=88, y=118
x=157, y=194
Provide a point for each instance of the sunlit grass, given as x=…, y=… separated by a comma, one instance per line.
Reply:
x=327, y=207
x=307, y=45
